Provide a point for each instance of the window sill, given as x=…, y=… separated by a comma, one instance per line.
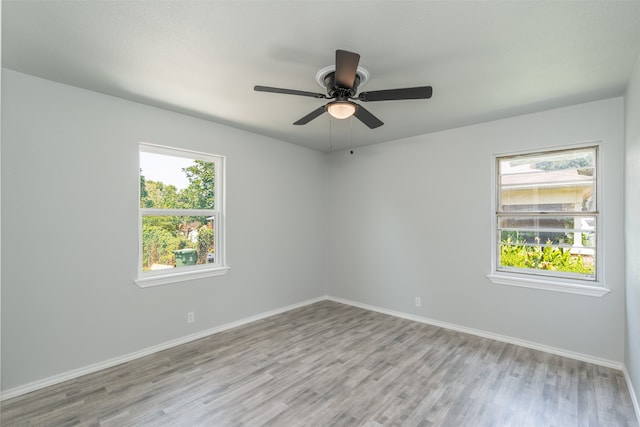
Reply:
x=548, y=285
x=164, y=279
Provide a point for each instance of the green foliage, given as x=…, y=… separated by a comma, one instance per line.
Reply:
x=144, y=194
x=160, y=196
x=542, y=257
x=157, y=246
x=168, y=223
x=584, y=165
x=205, y=243
x=200, y=194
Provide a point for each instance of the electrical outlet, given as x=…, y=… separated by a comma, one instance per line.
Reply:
x=191, y=317
x=418, y=302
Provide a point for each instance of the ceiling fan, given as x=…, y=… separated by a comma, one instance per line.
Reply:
x=342, y=83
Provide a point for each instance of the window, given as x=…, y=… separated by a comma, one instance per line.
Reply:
x=547, y=218
x=181, y=215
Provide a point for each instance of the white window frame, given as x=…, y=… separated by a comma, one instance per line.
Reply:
x=574, y=285
x=219, y=266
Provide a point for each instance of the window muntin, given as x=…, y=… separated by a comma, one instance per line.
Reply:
x=180, y=212
x=546, y=214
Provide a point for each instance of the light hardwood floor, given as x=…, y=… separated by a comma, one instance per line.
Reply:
x=329, y=364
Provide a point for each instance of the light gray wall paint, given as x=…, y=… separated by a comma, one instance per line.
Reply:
x=413, y=218
x=69, y=229
x=69, y=195
x=632, y=227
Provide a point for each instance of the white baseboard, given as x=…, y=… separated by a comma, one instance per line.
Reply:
x=634, y=396
x=503, y=338
x=66, y=376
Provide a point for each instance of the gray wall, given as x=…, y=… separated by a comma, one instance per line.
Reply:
x=378, y=227
x=413, y=218
x=69, y=229
x=632, y=227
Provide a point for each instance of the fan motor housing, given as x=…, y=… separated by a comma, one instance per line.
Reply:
x=335, y=91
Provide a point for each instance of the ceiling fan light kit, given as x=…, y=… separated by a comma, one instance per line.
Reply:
x=341, y=82
x=341, y=109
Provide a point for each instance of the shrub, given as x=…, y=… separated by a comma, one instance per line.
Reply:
x=157, y=246
x=542, y=257
x=205, y=243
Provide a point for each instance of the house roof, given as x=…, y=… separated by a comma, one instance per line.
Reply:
x=547, y=179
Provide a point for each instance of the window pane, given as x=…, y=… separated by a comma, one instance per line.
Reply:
x=561, y=181
x=173, y=182
x=548, y=238
x=548, y=244
x=546, y=213
x=176, y=241
x=541, y=229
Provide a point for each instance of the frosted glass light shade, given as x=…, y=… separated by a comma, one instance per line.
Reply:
x=341, y=110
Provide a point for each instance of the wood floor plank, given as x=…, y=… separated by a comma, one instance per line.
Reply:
x=333, y=364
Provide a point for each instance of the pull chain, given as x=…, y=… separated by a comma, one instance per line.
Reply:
x=330, y=134
x=351, y=135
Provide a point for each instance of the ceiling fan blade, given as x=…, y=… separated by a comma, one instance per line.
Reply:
x=312, y=115
x=366, y=117
x=288, y=91
x=346, y=68
x=421, y=92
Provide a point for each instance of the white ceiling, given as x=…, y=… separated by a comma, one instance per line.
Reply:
x=486, y=60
